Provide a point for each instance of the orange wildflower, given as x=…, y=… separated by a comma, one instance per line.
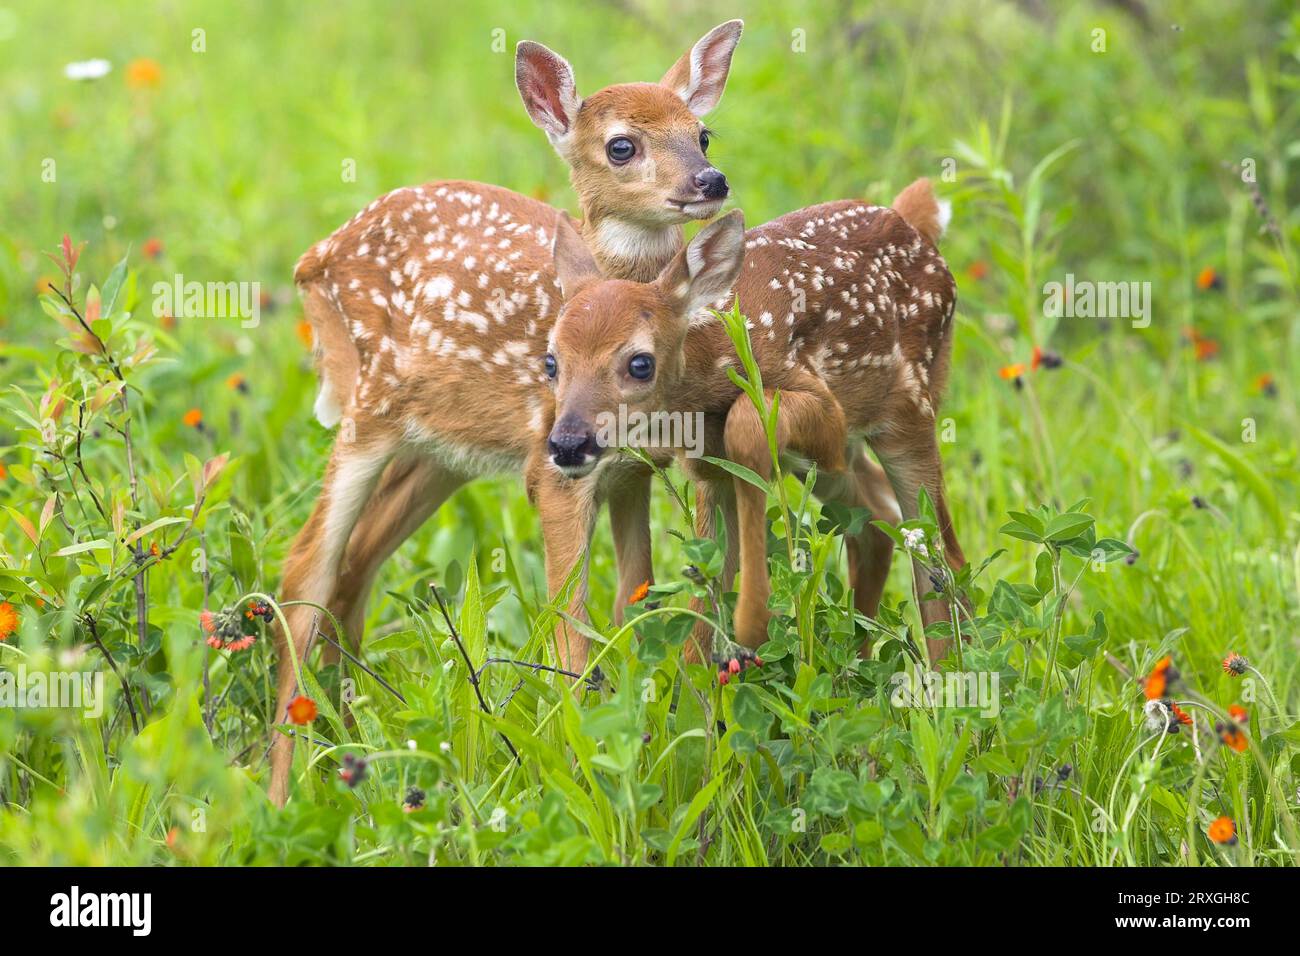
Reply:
x=1180, y=715
x=1231, y=733
x=4, y=472
x=155, y=550
x=305, y=334
x=168, y=321
x=1234, y=665
x=640, y=593
x=8, y=619
x=237, y=383
x=143, y=73
x=152, y=248
x=1233, y=739
x=302, y=710
x=1010, y=372
x=1208, y=279
x=1223, y=831
x=1158, y=681
x=1265, y=385
x=978, y=270
x=193, y=418
x=1205, y=348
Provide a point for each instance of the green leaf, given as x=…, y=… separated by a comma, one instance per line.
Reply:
x=740, y=471
x=1067, y=526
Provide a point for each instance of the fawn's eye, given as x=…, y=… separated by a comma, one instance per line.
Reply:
x=551, y=368
x=641, y=366
x=704, y=141
x=620, y=149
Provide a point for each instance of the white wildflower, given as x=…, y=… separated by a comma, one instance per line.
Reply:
x=914, y=541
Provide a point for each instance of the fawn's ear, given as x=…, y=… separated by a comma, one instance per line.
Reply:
x=707, y=268
x=545, y=82
x=574, y=264
x=700, y=76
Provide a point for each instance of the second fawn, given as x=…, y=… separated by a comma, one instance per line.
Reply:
x=431, y=309
x=866, y=357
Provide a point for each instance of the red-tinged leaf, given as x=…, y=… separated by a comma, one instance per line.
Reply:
x=28, y=528
x=67, y=250
x=105, y=394
x=47, y=514
x=85, y=344
x=213, y=467
x=92, y=310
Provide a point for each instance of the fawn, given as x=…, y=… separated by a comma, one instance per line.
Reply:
x=867, y=357
x=431, y=309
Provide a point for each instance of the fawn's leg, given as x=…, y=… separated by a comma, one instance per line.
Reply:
x=911, y=460
x=568, y=512
x=870, y=550
x=809, y=422
x=311, y=574
x=410, y=490
x=629, y=523
x=712, y=494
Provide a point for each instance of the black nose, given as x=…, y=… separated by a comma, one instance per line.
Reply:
x=570, y=445
x=711, y=183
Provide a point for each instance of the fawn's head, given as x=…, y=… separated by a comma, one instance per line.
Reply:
x=637, y=151
x=616, y=352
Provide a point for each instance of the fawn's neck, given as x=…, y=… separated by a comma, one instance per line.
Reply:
x=630, y=250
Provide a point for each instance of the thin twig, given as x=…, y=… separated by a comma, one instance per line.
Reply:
x=473, y=675
x=591, y=682
x=207, y=658
x=126, y=684
x=344, y=651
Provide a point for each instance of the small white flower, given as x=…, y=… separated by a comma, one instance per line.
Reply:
x=914, y=541
x=87, y=69
x=445, y=746
x=411, y=745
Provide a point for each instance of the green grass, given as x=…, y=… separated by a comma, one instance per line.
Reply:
x=1117, y=165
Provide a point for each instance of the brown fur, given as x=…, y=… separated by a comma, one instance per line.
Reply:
x=431, y=309
x=917, y=204
x=866, y=357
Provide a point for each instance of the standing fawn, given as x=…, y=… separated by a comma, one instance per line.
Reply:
x=866, y=357
x=431, y=309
